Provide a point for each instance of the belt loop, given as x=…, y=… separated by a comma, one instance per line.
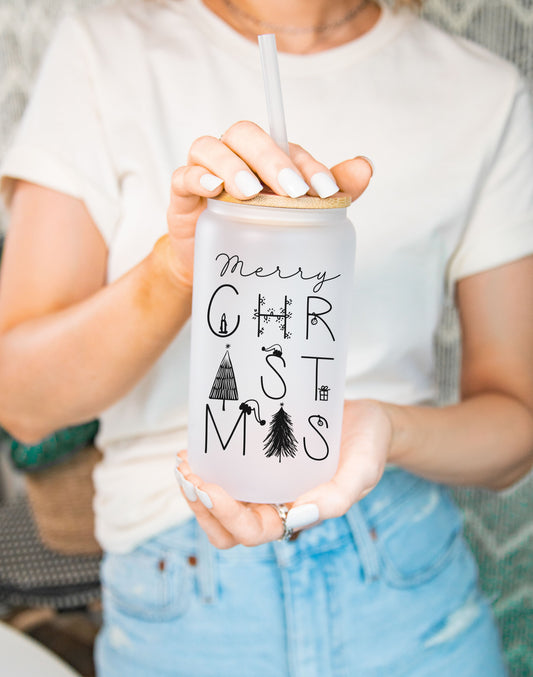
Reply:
x=206, y=567
x=366, y=548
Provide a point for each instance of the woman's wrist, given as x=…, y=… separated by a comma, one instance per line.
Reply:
x=166, y=265
x=401, y=431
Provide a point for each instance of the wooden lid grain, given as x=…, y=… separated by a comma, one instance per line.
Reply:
x=337, y=201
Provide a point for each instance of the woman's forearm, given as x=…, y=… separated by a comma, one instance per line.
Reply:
x=68, y=366
x=486, y=440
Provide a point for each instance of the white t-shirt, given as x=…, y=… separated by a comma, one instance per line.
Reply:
x=125, y=90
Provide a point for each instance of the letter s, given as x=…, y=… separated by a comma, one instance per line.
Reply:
x=276, y=357
x=320, y=422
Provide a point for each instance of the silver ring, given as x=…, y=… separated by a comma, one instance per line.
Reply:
x=283, y=511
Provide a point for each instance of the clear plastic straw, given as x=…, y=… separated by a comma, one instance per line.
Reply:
x=272, y=85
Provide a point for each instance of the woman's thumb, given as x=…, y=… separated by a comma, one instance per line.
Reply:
x=353, y=176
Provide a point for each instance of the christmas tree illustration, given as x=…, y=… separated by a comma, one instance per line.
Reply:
x=280, y=440
x=224, y=386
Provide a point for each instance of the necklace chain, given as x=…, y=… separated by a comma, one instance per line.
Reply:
x=276, y=28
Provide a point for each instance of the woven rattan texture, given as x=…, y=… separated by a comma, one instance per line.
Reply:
x=31, y=574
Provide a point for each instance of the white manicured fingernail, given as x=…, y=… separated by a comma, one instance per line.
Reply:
x=324, y=184
x=204, y=497
x=292, y=183
x=178, y=475
x=188, y=487
x=189, y=490
x=302, y=516
x=247, y=183
x=210, y=181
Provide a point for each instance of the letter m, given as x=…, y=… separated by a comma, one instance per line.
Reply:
x=224, y=445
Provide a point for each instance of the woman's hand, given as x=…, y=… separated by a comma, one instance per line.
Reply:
x=243, y=161
x=366, y=440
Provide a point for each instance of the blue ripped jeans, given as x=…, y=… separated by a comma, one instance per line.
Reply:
x=388, y=590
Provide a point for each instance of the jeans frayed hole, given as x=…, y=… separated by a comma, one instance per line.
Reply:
x=394, y=489
x=455, y=624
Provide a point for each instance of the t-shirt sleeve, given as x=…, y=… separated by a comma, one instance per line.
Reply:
x=61, y=141
x=500, y=227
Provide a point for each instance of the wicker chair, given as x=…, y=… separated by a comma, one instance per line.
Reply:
x=48, y=554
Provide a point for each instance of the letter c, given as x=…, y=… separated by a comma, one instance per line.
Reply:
x=216, y=333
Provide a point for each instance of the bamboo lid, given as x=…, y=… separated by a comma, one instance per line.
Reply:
x=337, y=201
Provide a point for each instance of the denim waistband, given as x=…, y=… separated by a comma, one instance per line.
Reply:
x=325, y=537
x=395, y=487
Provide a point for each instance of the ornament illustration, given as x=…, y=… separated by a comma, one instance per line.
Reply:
x=314, y=316
x=280, y=440
x=316, y=421
x=224, y=386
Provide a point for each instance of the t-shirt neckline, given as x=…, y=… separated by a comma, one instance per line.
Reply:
x=388, y=26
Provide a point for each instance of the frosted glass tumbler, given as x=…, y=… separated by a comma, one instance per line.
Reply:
x=270, y=324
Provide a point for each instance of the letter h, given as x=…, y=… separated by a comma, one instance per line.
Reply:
x=266, y=316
